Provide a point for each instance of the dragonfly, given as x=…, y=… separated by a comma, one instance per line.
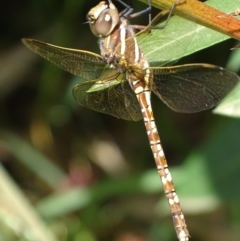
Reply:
x=119, y=82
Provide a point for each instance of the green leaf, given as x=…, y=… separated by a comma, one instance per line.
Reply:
x=230, y=106
x=32, y=159
x=18, y=213
x=182, y=37
x=101, y=85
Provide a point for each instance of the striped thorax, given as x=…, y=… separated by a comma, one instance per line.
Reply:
x=117, y=41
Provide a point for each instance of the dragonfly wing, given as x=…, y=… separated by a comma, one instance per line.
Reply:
x=81, y=63
x=194, y=87
x=111, y=95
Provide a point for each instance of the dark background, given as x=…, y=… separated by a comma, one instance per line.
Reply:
x=108, y=157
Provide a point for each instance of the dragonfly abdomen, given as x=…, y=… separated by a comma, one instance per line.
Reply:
x=162, y=166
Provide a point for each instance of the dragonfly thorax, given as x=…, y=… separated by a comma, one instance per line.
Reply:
x=121, y=50
x=117, y=42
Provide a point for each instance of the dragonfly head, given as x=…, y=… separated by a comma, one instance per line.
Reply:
x=103, y=18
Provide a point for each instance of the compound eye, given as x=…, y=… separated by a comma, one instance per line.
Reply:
x=105, y=23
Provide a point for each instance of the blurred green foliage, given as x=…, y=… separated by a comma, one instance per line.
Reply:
x=79, y=175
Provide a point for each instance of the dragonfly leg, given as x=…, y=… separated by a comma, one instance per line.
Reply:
x=235, y=13
x=127, y=12
x=164, y=13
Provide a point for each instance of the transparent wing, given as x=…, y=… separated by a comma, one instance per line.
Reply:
x=111, y=95
x=194, y=87
x=81, y=63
